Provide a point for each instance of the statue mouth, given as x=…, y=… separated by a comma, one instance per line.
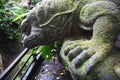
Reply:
x=31, y=42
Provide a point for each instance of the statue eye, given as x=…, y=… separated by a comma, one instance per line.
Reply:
x=26, y=29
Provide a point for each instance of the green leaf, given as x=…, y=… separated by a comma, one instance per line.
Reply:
x=34, y=51
x=46, y=51
x=20, y=17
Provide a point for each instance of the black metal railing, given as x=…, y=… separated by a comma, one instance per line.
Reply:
x=29, y=72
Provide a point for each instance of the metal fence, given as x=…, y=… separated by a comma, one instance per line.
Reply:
x=29, y=72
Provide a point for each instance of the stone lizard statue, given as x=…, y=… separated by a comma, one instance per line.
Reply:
x=53, y=20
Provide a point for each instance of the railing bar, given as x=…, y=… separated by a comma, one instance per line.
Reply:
x=22, y=67
x=38, y=56
x=35, y=57
x=27, y=72
x=13, y=64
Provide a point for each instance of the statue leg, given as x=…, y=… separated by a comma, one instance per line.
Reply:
x=82, y=56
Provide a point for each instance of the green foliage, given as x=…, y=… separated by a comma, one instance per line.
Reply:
x=46, y=51
x=16, y=9
x=34, y=51
x=20, y=17
x=2, y=2
x=35, y=1
x=8, y=13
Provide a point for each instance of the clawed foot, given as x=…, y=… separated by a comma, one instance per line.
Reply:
x=84, y=55
x=117, y=70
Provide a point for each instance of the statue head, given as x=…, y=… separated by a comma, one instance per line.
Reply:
x=44, y=24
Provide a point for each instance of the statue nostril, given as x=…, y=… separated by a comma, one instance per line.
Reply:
x=27, y=31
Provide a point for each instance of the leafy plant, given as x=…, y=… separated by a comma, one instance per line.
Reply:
x=16, y=10
x=20, y=17
x=8, y=22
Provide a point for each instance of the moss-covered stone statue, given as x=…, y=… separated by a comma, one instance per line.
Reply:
x=96, y=22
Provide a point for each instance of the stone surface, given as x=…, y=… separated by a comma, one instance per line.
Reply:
x=104, y=70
